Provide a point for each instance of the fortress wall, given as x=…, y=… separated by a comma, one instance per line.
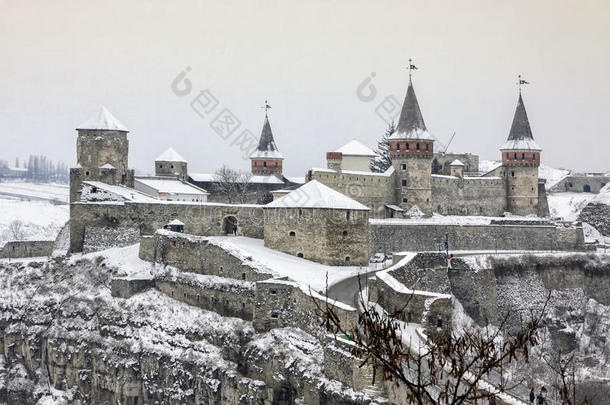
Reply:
x=598, y=216
x=397, y=237
x=225, y=298
x=468, y=196
x=441, y=162
x=27, y=248
x=281, y=303
x=197, y=255
x=576, y=183
x=199, y=219
x=374, y=190
x=318, y=234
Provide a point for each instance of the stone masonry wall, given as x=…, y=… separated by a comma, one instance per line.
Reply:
x=27, y=248
x=199, y=218
x=468, y=196
x=576, y=183
x=198, y=255
x=335, y=237
x=395, y=237
x=441, y=162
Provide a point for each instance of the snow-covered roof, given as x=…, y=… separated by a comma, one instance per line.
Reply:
x=107, y=166
x=211, y=177
x=103, y=120
x=317, y=195
x=170, y=155
x=266, y=154
x=170, y=186
x=456, y=162
x=520, y=144
x=297, y=179
x=415, y=134
x=387, y=173
x=411, y=122
x=176, y=222
x=355, y=148
x=128, y=194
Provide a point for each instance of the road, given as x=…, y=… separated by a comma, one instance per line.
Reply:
x=346, y=290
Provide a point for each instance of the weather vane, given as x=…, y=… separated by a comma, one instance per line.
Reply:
x=411, y=67
x=521, y=82
x=266, y=107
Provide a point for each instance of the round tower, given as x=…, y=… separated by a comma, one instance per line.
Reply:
x=170, y=163
x=521, y=159
x=412, y=150
x=266, y=159
x=102, y=153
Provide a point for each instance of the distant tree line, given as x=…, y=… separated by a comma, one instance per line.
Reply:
x=39, y=168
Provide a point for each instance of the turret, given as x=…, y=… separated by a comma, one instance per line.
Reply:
x=521, y=159
x=102, y=153
x=266, y=159
x=170, y=163
x=411, y=150
x=457, y=168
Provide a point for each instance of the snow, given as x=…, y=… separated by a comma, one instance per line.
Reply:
x=170, y=155
x=211, y=177
x=438, y=219
x=355, y=148
x=107, y=166
x=170, y=186
x=568, y=205
x=42, y=218
x=417, y=134
x=303, y=271
x=103, y=120
x=176, y=222
x=207, y=177
x=552, y=175
x=316, y=195
x=297, y=179
x=128, y=194
x=520, y=144
x=603, y=197
x=486, y=166
x=457, y=162
x=266, y=154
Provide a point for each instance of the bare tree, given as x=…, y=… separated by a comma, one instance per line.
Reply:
x=449, y=368
x=16, y=229
x=232, y=184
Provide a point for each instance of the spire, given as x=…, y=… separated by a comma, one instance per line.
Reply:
x=520, y=129
x=410, y=117
x=104, y=120
x=266, y=144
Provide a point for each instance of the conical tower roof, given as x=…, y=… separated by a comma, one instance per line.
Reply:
x=520, y=135
x=411, y=123
x=103, y=120
x=170, y=155
x=266, y=144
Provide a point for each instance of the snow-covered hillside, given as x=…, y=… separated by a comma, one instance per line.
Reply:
x=42, y=208
x=568, y=205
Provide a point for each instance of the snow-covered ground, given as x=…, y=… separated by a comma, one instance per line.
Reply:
x=568, y=205
x=42, y=216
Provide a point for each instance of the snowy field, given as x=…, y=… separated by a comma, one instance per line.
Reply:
x=568, y=205
x=41, y=208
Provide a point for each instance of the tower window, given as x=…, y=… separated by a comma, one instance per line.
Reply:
x=417, y=146
x=404, y=183
x=512, y=174
x=171, y=166
x=523, y=156
x=515, y=155
x=344, y=234
x=403, y=166
x=276, y=163
x=160, y=166
x=255, y=162
x=397, y=147
x=347, y=258
x=300, y=212
x=404, y=200
x=347, y=214
x=292, y=233
x=264, y=164
x=87, y=173
x=299, y=254
x=427, y=147
x=407, y=146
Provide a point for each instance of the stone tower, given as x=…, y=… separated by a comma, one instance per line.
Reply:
x=411, y=150
x=521, y=158
x=266, y=159
x=170, y=163
x=101, y=151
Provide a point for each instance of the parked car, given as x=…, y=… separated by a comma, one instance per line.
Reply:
x=379, y=258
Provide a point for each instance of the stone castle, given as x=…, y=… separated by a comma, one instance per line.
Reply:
x=456, y=188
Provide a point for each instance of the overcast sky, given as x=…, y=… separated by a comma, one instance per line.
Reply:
x=62, y=60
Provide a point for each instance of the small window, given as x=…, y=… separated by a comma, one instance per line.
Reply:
x=417, y=146
x=292, y=233
x=243, y=305
x=398, y=147
x=87, y=173
x=221, y=269
x=276, y=163
x=404, y=200
x=299, y=254
x=515, y=155
x=404, y=183
x=347, y=258
x=403, y=166
x=512, y=174
x=275, y=315
x=160, y=166
x=197, y=297
x=427, y=147
x=243, y=276
x=264, y=164
x=344, y=234
x=347, y=215
x=407, y=146
x=523, y=156
x=172, y=166
x=273, y=292
x=300, y=212
x=255, y=163
x=439, y=322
